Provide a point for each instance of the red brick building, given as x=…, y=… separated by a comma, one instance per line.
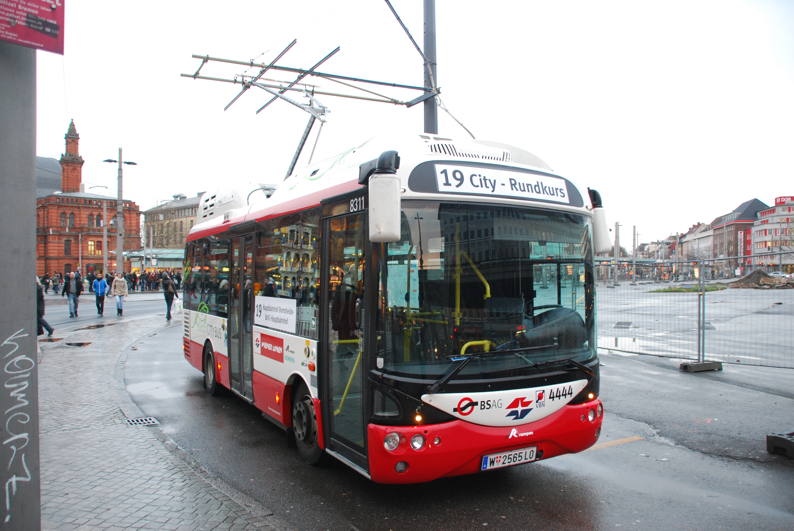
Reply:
x=69, y=221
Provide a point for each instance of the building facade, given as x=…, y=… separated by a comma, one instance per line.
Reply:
x=772, y=234
x=166, y=226
x=69, y=221
x=728, y=249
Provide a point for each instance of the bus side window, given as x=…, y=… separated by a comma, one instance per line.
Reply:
x=216, y=279
x=266, y=260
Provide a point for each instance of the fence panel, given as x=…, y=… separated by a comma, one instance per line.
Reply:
x=652, y=309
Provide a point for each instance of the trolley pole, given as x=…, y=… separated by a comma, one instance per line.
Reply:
x=431, y=76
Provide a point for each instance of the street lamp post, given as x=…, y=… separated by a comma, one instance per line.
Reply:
x=120, y=216
x=104, y=232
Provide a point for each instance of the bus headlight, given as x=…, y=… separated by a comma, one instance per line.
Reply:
x=391, y=441
x=600, y=410
x=417, y=441
x=591, y=415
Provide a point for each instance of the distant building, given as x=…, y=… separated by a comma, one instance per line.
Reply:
x=69, y=221
x=773, y=232
x=697, y=242
x=166, y=226
x=727, y=247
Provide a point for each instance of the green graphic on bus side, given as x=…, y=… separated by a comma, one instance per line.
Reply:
x=201, y=314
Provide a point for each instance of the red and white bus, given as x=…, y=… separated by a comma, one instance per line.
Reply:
x=416, y=307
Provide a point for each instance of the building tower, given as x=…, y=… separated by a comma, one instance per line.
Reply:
x=71, y=162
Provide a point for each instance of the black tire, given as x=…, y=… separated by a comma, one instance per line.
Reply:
x=304, y=425
x=210, y=382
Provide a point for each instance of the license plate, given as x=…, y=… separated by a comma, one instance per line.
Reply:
x=513, y=457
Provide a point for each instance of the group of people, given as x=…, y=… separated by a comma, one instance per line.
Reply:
x=117, y=286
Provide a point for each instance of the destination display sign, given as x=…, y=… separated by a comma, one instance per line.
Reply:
x=277, y=313
x=455, y=179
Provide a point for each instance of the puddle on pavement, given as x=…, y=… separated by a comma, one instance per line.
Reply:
x=50, y=339
x=157, y=390
x=93, y=327
x=78, y=344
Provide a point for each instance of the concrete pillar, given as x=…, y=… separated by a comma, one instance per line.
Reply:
x=19, y=406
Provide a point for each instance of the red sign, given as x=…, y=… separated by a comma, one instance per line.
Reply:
x=271, y=347
x=33, y=23
x=783, y=200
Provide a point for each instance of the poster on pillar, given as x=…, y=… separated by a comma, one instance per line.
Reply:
x=33, y=23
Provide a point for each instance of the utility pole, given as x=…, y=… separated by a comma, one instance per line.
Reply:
x=151, y=246
x=617, y=253
x=104, y=237
x=431, y=77
x=120, y=216
x=634, y=255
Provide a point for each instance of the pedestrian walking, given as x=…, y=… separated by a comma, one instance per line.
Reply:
x=41, y=323
x=45, y=282
x=100, y=290
x=56, y=283
x=170, y=292
x=119, y=290
x=73, y=288
x=91, y=277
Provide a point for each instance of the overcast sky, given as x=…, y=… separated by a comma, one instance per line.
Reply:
x=676, y=111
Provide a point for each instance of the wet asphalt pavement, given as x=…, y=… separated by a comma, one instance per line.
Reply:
x=678, y=451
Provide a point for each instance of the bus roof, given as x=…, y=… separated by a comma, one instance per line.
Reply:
x=431, y=167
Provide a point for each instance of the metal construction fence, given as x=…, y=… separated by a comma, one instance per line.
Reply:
x=696, y=311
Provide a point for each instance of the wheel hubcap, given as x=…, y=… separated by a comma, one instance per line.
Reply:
x=209, y=373
x=300, y=421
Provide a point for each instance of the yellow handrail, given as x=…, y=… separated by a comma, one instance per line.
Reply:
x=349, y=381
x=482, y=278
x=484, y=343
x=457, y=274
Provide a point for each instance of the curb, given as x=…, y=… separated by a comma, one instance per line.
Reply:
x=173, y=450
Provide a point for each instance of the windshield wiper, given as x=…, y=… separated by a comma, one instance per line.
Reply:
x=439, y=384
x=581, y=366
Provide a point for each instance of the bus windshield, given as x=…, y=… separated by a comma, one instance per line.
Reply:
x=470, y=278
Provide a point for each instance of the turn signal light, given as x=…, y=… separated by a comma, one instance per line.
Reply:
x=312, y=366
x=278, y=398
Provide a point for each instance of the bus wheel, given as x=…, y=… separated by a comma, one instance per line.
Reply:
x=304, y=425
x=210, y=383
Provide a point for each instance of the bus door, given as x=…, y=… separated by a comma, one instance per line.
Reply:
x=241, y=293
x=344, y=349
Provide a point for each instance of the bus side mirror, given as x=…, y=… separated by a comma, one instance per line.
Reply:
x=384, y=196
x=384, y=208
x=601, y=241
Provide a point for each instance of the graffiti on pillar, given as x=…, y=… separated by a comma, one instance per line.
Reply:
x=17, y=372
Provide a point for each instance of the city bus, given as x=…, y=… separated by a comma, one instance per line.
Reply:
x=416, y=307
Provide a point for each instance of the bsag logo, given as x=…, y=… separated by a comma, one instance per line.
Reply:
x=520, y=408
x=540, y=399
x=465, y=406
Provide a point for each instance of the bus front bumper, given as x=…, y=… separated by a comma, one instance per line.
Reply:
x=457, y=448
